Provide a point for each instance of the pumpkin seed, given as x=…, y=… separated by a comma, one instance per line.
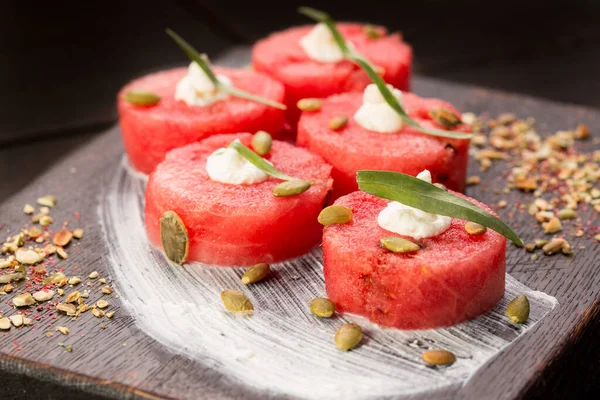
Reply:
x=291, y=188
x=309, y=104
x=398, y=245
x=78, y=233
x=518, y=309
x=23, y=300
x=567, y=213
x=236, y=301
x=141, y=97
x=348, y=336
x=93, y=275
x=338, y=122
x=474, y=228
x=107, y=290
x=28, y=256
x=174, y=237
x=17, y=320
x=445, y=117
x=371, y=32
x=255, y=273
x=47, y=201
x=336, y=214
x=438, y=357
x=43, y=295
x=262, y=142
x=67, y=308
x=4, y=324
x=322, y=307
x=62, y=238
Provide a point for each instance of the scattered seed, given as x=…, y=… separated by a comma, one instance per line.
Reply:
x=74, y=280
x=236, y=301
x=291, y=188
x=78, y=233
x=348, y=336
x=93, y=275
x=61, y=253
x=107, y=290
x=70, y=309
x=141, y=97
x=7, y=262
x=518, y=309
x=309, y=104
x=28, y=209
x=174, y=237
x=46, y=220
x=4, y=324
x=566, y=249
x=338, y=122
x=63, y=329
x=60, y=292
x=47, y=201
x=72, y=297
x=8, y=288
x=597, y=237
x=322, y=307
x=55, y=278
x=110, y=314
x=525, y=184
x=69, y=348
x=438, y=357
x=445, y=118
x=27, y=321
x=102, y=304
x=14, y=277
x=552, y=226
x=553, y=246
x=102, y=281
x=371, y=32
x=97, y=313
x=398, y=245
x=262, y=142
x=473, y=180
x=530, y=247
x=335, y=214
x=23, y=300
x=28, y=256
x=255, y=273
x=502, y=203
x=474, y=228
x=43, y=295
x=49, y=249
x=44, y=211
x=539, y=243
x=582, y=132
x=17, y=320
x=567, y=213
x=62, y=238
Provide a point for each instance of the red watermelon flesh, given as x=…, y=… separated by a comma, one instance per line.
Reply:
x=150, y=132
x=353, y=147
x=453, y=278
x=238, y=224
x=281, y=57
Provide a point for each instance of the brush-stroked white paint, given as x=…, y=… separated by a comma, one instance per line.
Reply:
x=283, y=348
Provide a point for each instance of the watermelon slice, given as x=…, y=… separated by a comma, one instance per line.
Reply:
x=353, y=147
x=238, y=224
x=281, y=57
x=150, y=132
x=452, y=278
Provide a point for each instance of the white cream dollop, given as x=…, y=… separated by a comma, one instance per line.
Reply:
x=408, y=221
x=375, y=114
x=319, y=45
x=226, y=165
x=196, y=89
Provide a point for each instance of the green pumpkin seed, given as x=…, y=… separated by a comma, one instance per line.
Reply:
x=474, y=228
x=255, y=273
x=174, y=237
x=371, y=32
x=309, y=104
x=291, y=188
x=262, y=142
x=336, y=214
x=236, y=301
x=445, y=117
x=322, y=307
x=518, y=309
x=567, y=213
x=338, y=122
x=438, y=357
x=348, y=336
x=398, y=245
x=142, y=97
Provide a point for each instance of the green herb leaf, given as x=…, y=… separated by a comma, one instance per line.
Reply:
x=419, y=194
x=362, y=62
x=260, y=162
x=203, y=63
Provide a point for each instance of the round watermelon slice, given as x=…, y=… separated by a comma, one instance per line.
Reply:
x=452, y=278
x=238, y=224
x=353, y=147
x=150, y=132
x=281, y=57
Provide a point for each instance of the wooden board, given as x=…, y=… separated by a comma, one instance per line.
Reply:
x=120, y=361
